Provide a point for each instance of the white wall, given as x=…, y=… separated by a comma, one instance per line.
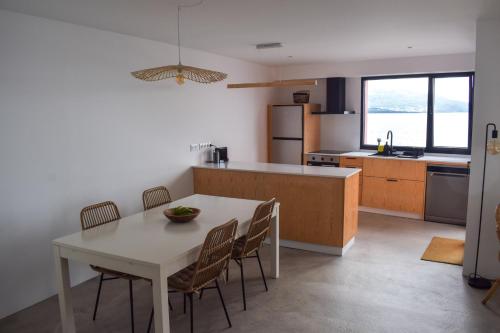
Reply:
x=343, y=131
x=486, y=109
x=77, y=128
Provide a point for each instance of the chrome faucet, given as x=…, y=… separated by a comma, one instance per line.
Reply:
x=390, y=148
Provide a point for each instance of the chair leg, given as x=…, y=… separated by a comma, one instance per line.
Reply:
x=243, y=284
x=201, y=293
x=131, y=295
x=492, y=291
x=184, y=303
x=98, y=296
x=262, y=271
x=151, y=317
x=227, y=273
x=223, y=304
x=190, y=296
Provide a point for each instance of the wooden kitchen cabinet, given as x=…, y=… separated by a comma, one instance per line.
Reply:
x=394, y=194
x=354, y=162
x=393, y=184
x=412, y=196
x=347, y=161
x=373, y=192
x=392, y=168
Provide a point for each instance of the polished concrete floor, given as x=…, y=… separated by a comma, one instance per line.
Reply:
x=380, y=285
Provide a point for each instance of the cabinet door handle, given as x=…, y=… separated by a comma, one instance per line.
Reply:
x=351, y=158
x=392, y=180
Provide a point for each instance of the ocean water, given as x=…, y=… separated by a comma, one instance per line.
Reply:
x=410, y=129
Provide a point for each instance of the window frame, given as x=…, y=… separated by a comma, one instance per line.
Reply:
x=429, y=148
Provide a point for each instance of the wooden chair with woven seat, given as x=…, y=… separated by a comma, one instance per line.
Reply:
x=495, y=285
x=155, y=197
x=214, y=257
x=248, y=246
x=94, y=216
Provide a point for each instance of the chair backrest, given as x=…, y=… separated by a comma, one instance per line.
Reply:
x=98, y=214
x=259, y=227
x=155, y=197
x=215, y=254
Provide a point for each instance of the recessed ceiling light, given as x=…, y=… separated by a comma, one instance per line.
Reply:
x=290, y=56
x=410, y=47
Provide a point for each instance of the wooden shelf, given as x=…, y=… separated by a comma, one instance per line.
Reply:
x=274, y=84
x=328, y=113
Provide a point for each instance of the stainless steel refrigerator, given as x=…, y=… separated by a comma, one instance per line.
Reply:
x=287, y=134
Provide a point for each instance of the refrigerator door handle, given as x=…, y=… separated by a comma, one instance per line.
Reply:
x=286, y=138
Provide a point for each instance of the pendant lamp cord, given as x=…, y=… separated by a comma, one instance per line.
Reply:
x=179, y=24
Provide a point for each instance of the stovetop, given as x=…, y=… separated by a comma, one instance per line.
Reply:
x=329, y=152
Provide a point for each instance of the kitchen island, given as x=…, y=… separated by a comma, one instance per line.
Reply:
x=318, y=206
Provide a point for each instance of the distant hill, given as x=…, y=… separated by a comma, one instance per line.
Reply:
x=400, y=102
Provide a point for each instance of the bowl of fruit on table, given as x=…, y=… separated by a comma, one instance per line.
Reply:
x=181, y=214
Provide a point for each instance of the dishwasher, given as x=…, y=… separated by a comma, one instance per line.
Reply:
x=446, y=194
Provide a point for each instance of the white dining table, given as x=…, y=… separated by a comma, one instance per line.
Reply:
x=148, y=245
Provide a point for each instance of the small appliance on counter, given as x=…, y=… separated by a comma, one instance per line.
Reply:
x=222, y=154
x=217, y=155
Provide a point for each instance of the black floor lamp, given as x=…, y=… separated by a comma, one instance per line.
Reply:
x=475, y=280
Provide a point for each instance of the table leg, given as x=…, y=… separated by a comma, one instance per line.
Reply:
x=160, y=302
x=275, y=244
x=64, y=290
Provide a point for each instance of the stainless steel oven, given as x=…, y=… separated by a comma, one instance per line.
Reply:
x=325, y=158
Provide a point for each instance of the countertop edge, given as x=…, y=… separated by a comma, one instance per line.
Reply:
x=354, y=171
x=430, y=159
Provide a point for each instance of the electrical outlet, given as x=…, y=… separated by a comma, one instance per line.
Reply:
x=194, y=147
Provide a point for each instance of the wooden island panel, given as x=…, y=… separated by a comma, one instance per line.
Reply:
x=316, y=210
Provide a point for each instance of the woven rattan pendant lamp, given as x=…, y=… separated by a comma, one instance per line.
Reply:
x=179, y=71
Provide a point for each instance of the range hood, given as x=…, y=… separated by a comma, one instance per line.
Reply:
x=335, y=96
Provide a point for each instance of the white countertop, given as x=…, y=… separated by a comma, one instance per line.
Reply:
x=289, y=169
x=425, y=158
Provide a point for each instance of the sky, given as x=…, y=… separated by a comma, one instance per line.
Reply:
x=454, y=88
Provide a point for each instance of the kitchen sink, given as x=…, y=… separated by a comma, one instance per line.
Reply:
x=393, y=154
x=400, y=154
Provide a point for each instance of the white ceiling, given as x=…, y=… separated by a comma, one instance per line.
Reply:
x=310, y=30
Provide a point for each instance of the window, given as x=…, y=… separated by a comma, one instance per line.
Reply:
x=431, y=111
x=451, y=112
